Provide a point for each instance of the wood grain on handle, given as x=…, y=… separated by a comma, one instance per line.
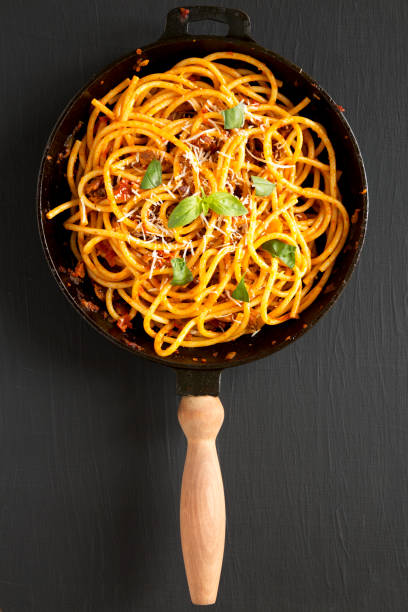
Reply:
x=202, y=505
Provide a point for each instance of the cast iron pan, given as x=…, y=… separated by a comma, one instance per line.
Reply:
x=202, y=514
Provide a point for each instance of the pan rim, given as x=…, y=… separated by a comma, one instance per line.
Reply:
x=249, y=45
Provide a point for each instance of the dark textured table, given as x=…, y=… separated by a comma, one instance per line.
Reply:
x=314, y=447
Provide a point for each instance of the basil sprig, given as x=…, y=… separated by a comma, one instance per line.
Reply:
x=153, y=175
x=190, y=208
x=234, y=117
x=263, y=187
x=282, y=250
x=186, y=211
x=241, y=292
x=181, y=273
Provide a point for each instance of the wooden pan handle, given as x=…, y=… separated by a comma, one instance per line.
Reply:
x=202, y=505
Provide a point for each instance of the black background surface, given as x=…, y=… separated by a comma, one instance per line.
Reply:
x=314, y=448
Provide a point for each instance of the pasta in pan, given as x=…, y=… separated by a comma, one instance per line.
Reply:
x=204, y=202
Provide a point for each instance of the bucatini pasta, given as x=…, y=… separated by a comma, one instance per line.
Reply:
x=204, y=202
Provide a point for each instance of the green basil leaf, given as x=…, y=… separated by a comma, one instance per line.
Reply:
x=241, y=292
x=153, y=175
x=181, y=274
x=282, y=250
x=205, y=206
x=263, y=187
x=226, y=204
x=186, y=211
x=234, y=117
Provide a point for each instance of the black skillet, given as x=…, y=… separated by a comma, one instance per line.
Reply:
x=198, y=371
